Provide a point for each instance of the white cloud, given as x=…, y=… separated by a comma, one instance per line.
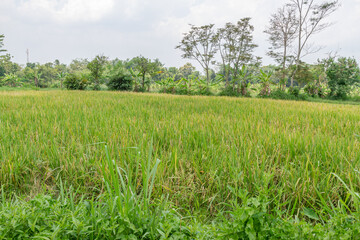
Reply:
x=67, y=10
x=206, y=12
x=67, y=29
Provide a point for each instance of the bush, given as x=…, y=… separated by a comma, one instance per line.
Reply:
x=280, y=94
x=183, y=91
x=75, y=82
x=205, y=91
x=342, y=75
x=139, y=88
x=314, y=90
x=229, y=91
x=355, y=98
x=294, y=91
x=120, y=82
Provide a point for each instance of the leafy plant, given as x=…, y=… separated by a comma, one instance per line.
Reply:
x=97, y=68
x=342, y=75
x=11, y=80
x=61, y=76
x=120, y=81
x=265, y=80
x=295, y=91
x=75, y=82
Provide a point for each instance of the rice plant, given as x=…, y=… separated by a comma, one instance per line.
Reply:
x=301, y=157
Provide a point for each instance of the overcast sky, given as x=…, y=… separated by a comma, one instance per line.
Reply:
x=69, y=29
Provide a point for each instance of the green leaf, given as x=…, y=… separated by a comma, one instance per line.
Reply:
x=310, y=214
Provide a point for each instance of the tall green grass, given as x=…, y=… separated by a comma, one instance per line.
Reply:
x=294, y=153
x=121, y=212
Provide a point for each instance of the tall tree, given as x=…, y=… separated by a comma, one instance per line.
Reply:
x=7, y=66
x=145, y=66
x=342, y=74
x=310, y=17
x=236, y=46
x=187, y=70
x=78, y=65
x=2, y=43
x=97, y=68
x=200, y=43
x=282, y=32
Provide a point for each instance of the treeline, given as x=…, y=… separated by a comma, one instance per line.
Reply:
x=226, y=55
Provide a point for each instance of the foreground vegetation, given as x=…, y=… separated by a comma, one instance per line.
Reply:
x=196, y=167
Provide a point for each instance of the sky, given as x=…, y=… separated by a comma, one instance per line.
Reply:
x=70, y=29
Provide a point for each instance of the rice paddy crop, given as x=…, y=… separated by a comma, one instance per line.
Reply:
x=304, y=157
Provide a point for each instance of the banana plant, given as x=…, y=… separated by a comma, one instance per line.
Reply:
x=265, y=80
x=204, y=87
x=11, y=80
x=239, y=81
x=187, y=84
x=169, y=84
x=61, y=77
x=137, y=77
x=37, y=78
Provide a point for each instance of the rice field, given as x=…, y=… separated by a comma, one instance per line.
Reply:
x=300, y=155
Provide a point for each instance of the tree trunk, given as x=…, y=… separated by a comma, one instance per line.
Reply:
x=284, y=66
x=207, y=75
x=143, y=82
x=227, y=75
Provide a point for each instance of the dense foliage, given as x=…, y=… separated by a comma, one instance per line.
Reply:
x=343, y=74
x=121, y=82
x=75, y=82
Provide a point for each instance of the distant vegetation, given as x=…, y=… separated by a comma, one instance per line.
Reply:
x=226, y=56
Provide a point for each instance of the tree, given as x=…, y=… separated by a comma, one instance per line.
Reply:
x=303, y=75
x=120, y=81
x=75, y=82
x=309, y=18
x=200, y=44
x=145, y=66
x=282, y=33
x=2, y=43
x=7, y=66
x=187, y=70
x=342, y=75
x=97, y=68
x=37, y=78
x=78, y=65
x=235, y=42
x=48, y=73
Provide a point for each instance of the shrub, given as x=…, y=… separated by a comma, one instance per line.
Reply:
x=279, y=94
x=183, y=91
x=230, y=91
x=342, y=75
x=139, y=88
x=120, y=82
x=75, y=82
x=355, y=98
x=206, y=91
x=294, y=91
x=314, y=90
